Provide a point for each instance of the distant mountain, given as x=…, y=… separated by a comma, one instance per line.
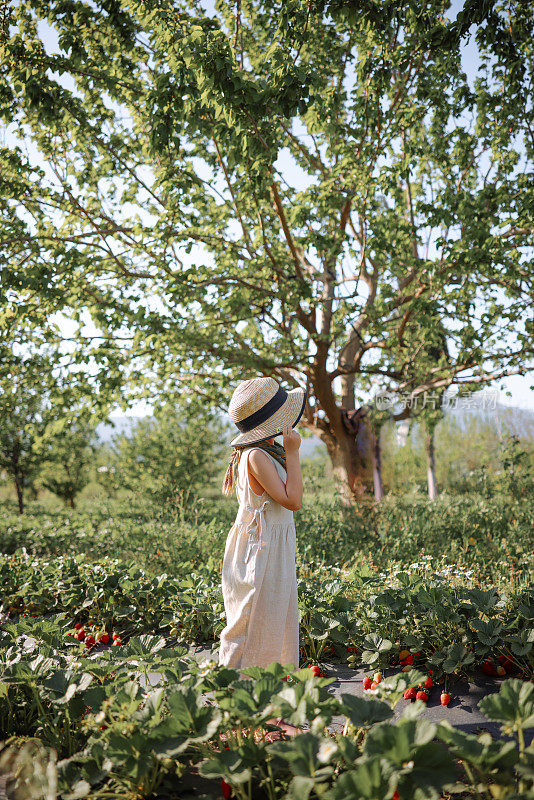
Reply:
x=508, y=418
x=125, y=424
x=114, y=426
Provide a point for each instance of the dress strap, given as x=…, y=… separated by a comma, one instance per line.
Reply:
x=247, y=477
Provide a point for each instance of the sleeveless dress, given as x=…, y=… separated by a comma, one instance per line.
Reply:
x=259, y=580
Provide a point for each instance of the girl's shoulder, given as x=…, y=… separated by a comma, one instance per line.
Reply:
x=259, y=454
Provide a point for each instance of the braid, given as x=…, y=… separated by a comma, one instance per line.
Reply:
x=230, y=479
x=231, y=472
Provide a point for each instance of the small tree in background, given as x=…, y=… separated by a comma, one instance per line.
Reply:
x=167, y=455
x=515, y=477
x=39, y=404
x=24, y=417
x=68, y=460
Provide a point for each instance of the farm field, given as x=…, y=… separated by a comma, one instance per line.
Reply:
x=110, y=625
x=307, y=228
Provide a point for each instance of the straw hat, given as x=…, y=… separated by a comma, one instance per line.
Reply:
x=261, y=408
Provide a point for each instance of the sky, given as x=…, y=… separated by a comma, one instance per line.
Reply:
x=515, y=390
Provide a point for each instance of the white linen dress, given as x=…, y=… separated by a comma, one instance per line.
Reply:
x=259, y=580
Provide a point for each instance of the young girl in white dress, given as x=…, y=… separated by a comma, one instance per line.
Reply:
x=259, y=579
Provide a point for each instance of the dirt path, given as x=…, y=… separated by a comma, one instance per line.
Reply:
x=462, y=711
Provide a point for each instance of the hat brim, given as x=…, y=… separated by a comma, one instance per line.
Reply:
x=288, y=414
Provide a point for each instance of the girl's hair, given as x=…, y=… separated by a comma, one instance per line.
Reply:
x=230, y=479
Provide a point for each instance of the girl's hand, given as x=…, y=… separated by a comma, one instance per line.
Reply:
x=291, y=439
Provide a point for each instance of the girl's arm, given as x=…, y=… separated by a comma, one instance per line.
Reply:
x=288, y=494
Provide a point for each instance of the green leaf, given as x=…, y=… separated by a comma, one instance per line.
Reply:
x=362, y=712
x=513, y=705
x=480, y=750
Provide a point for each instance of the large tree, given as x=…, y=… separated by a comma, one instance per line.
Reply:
x=296, y=189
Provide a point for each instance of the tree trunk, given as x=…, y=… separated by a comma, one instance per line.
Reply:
x=350, y=454
x=431, y=466
x=351, y=459
x=20, y=496
x=377, y=467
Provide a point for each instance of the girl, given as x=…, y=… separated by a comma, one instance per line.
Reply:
x=259, y=580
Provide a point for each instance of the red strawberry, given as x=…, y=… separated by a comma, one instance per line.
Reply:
x=226, y=789
x=430, y=672
x=78, y=626
x=409, y=659
x=352, y=649
x=316, y=669
x=89, y=641
x=374, y=685
x=116, y=635
x=104, y=637
x=80, y=635
x=416, y=655
x=507, y=663
x=410, y=693
x=445, y=699
x=117, y=643
x=428, y=683
x=395, y=795
x=488, y=668
x=367, y=682
x=422, y=696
